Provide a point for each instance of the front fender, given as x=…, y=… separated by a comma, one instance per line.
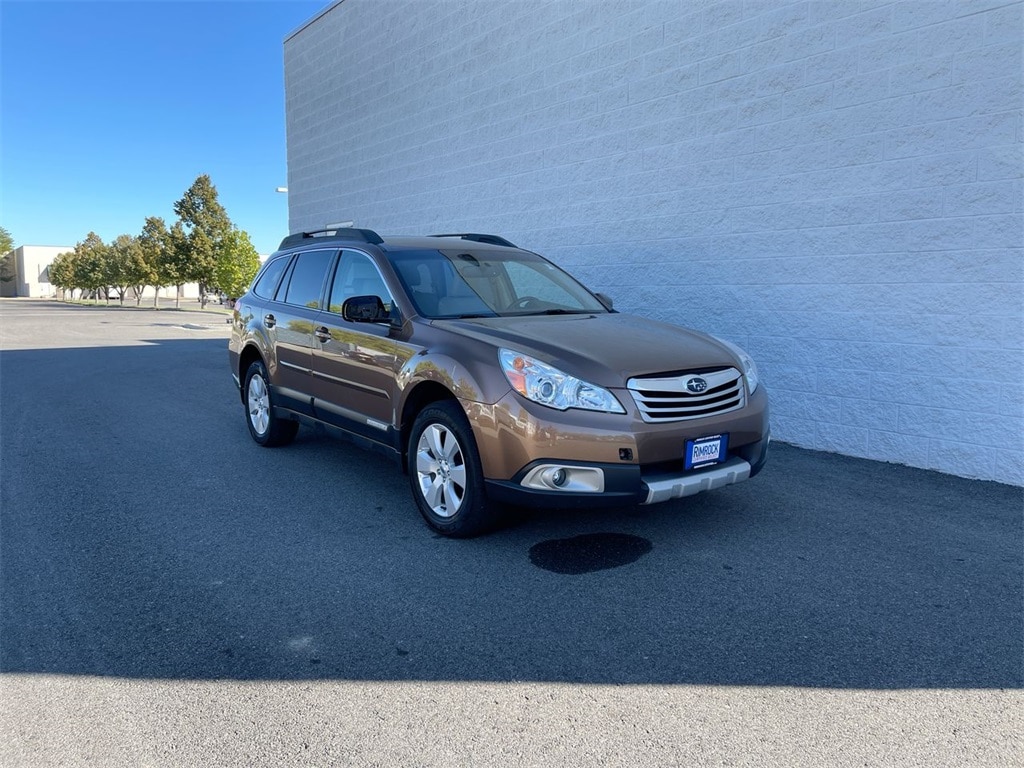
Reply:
x=480, y=383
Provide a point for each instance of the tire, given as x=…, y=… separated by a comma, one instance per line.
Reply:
x=266, y=429
x=445, y=473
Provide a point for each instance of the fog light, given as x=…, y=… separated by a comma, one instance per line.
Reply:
x=552, y=477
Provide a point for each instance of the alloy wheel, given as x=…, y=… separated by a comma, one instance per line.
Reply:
x=441, y=470
x=259, y=404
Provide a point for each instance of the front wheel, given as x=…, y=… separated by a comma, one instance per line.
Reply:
x=445, y=472
x=266, y=428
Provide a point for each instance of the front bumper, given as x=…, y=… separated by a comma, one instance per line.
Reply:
x=626, y=485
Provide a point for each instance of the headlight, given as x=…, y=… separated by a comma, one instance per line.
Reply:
x=549, y=386
x=749, y=366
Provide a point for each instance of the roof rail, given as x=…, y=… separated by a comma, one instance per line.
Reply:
x=480, y=238
x=334, y=233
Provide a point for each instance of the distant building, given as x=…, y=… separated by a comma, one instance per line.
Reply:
x=31, y=264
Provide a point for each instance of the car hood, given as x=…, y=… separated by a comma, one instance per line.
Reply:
x=604, y=349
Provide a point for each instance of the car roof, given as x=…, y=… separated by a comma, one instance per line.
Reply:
x=434, y=243
x=351, y=235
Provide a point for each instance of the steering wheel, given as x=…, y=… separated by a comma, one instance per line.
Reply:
x=524, y=302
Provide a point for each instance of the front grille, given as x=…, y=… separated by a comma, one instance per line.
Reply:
x=663, y=399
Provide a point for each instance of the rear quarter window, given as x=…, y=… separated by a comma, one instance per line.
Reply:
x=266, y=283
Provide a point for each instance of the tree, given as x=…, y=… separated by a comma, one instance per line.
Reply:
x=155, y=245
x=62, y=273
x=6, y=256
x=138, y=271
x=204, y=224
x=124, y=265
x=237, y=263
x=90, y=269
x=177, y=265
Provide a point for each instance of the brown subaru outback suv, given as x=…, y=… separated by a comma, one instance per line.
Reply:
x=491, y=375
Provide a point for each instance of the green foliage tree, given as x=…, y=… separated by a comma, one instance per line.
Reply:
x=204, y=224
x=62, y=273
x=178, y=264
x=125, y=265
x=138, y=271
x=237, y=263
x=90, y=268
x=6, y=256
x=155, y=245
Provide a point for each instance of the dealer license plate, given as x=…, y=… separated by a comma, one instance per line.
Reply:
x=705, y=451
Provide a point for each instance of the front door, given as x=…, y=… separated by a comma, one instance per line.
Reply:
x=355, y=364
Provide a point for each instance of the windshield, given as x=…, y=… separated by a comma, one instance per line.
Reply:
x=449, y=284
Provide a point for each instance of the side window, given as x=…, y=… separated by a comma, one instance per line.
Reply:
x=267, y=283
x=357, y=275
x=307, y=280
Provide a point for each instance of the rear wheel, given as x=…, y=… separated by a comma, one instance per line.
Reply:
x=445, y=472
x=266, y=428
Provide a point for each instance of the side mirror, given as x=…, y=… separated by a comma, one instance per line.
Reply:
x=365, y=309
x=606, y=300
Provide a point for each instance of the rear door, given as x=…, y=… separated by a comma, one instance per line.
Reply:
x=299, y=299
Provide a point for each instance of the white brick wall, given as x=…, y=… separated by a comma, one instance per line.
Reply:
x=835, y=185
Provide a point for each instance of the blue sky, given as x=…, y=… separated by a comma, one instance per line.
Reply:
x=110, y=110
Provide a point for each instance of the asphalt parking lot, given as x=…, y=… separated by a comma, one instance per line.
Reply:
x=171, y=594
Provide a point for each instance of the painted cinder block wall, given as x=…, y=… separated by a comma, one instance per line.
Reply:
x=30, y=265
x=836, y=185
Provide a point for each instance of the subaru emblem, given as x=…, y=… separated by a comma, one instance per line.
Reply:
x=696, y=385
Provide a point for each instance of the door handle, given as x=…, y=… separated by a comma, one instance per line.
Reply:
x=269, y=320
x=323, y=334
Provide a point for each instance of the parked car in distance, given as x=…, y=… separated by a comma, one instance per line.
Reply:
x=491, y=374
